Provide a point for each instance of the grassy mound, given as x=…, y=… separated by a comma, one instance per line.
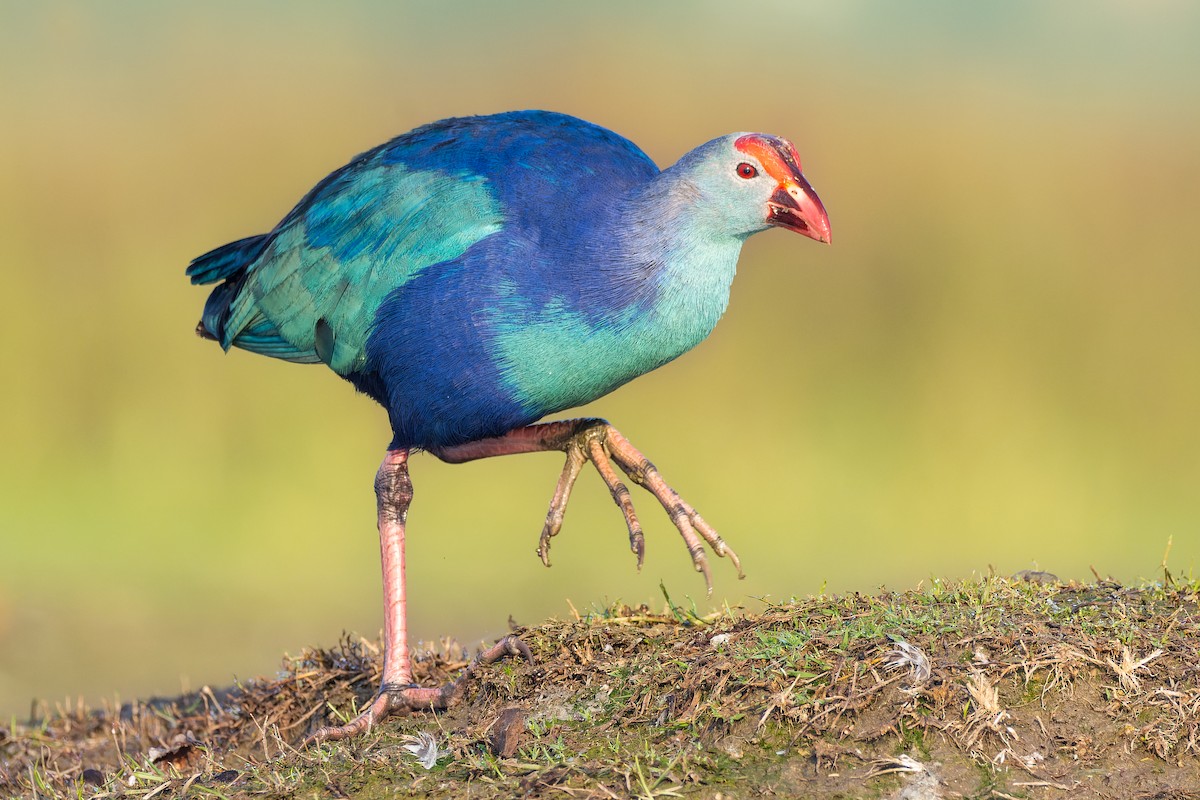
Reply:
x=993, y=688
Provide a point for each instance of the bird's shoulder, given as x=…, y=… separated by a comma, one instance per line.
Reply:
x=507, y=145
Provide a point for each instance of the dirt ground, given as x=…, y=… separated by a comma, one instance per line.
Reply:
x=996, y=688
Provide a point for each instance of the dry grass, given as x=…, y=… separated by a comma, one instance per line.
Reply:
x=992, y=688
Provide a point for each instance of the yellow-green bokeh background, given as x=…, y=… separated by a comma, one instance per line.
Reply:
x=997, y=363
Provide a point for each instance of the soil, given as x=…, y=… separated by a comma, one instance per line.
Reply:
x=996, y=688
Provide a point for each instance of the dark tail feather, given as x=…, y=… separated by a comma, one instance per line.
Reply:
x=227, y=260
x=231, y=264
x=226, y=263
x=216, y=310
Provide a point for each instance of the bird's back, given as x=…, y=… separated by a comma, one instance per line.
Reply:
x=550, y=172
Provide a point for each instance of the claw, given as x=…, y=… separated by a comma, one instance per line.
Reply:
x=701, y=563
x=719, y=545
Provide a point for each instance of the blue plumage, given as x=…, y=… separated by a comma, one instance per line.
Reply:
x=477, y=274
x=429, y=260
x=361, y=239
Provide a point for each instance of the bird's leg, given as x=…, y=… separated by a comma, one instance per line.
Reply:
x=397, y=692
x=595, y=440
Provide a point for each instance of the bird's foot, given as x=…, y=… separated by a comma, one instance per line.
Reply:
x=594, y=440
x=597, y=441
x=402, y=698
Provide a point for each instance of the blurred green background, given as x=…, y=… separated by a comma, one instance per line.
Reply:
x=996, y=364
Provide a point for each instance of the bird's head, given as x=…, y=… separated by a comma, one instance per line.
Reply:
x=752, y=181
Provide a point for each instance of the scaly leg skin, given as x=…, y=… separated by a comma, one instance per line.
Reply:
x=397, y=693
x=595, y=440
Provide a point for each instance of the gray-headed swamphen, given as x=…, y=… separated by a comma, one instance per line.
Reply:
x=477, y=274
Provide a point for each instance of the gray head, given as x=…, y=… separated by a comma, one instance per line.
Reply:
x=744, y=183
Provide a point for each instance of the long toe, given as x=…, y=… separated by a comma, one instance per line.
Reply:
x=397, y=700
x=691, y=526
x=380, y=708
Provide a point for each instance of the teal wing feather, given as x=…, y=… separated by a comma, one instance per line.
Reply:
x=313, y=292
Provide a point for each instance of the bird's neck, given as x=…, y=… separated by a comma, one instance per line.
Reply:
x=668, y=262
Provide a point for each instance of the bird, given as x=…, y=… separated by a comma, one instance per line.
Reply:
x=477, y=274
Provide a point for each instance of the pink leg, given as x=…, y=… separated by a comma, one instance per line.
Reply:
x=398, y=694
x=595, y=440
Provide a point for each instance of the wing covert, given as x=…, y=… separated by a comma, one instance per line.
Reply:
x=361, y=234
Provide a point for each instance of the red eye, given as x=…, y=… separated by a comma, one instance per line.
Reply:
x=745, y=170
